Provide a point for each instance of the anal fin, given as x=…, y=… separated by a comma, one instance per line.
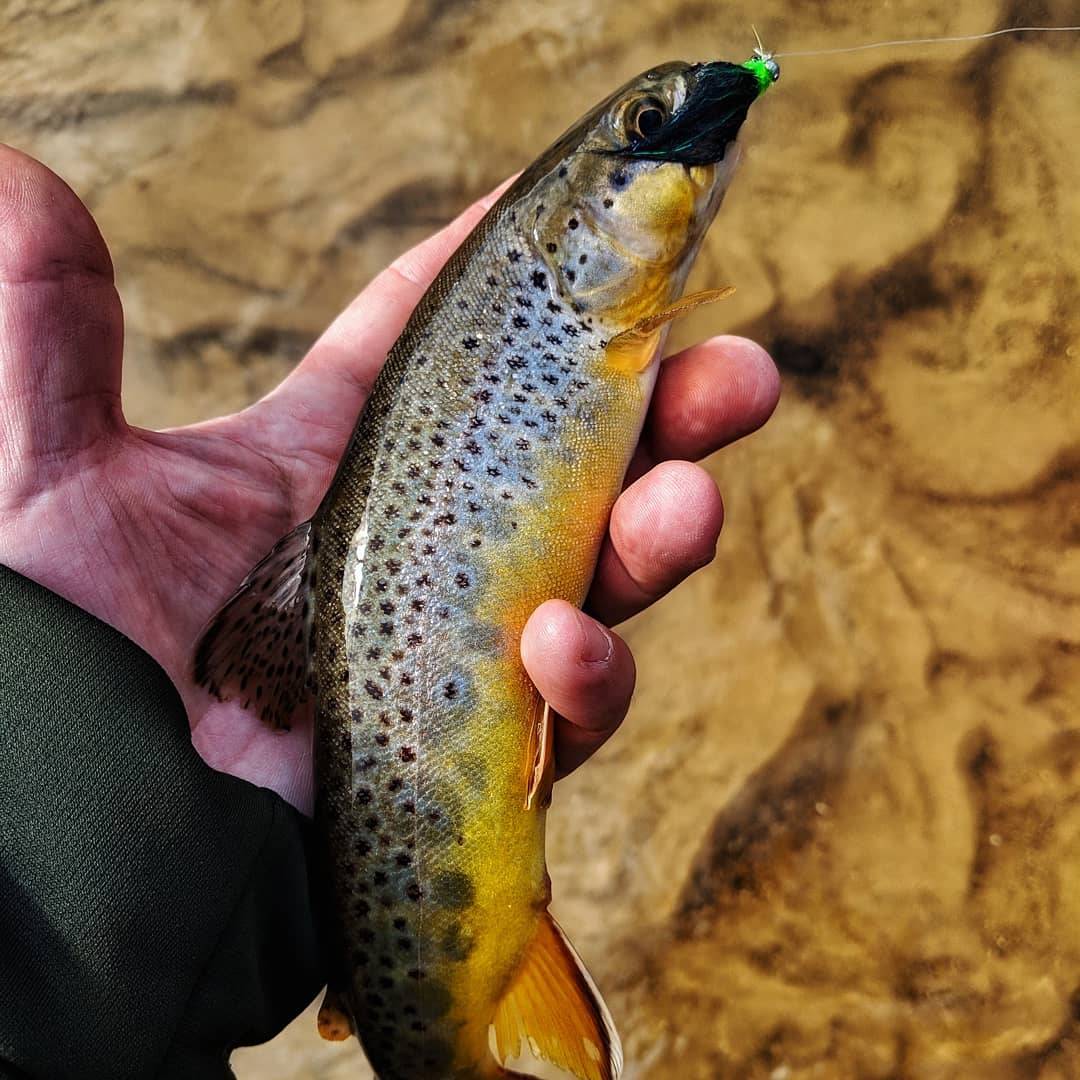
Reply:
x=255, y=649
x=635, y=349
x=553, y=1007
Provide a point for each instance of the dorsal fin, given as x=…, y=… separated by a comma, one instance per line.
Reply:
x=553, y=1006
x=255, y=649
x=635, y=349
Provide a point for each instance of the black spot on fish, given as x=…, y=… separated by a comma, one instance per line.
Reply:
x=363, y=795
x=413, y=892
x=470, y=342
x=552, y=248
x=453, y=889
x=573, y=223
x=456, y=942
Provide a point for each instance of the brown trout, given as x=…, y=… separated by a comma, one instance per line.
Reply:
x=477, y=484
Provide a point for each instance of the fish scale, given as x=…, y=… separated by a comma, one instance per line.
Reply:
x=476, y=485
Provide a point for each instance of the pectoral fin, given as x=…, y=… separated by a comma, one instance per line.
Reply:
x=541, y=758
x=634, y=350
x=554, y=1008
x=256, y=648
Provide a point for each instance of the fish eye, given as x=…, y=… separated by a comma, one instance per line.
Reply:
x=646, y=117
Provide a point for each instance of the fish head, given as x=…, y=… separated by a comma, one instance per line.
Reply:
x=619, y=205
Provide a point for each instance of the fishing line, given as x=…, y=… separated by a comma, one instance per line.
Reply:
x=919, y=41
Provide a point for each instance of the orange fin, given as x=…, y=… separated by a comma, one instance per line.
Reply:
x=554, y=1008
x=334, y=1023
x=541, y=759
x=255, y=649
x=634, y=350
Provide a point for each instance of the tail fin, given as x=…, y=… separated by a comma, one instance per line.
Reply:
x=553, y=1005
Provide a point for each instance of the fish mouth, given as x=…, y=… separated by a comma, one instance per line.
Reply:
x=706, y=123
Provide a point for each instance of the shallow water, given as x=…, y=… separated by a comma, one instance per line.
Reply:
x=840, y=834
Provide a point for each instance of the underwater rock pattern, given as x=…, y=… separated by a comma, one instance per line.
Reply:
x=839, y=835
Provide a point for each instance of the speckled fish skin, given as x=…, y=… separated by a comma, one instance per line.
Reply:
x=478, y=484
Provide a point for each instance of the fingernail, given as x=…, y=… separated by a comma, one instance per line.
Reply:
x=598, y=646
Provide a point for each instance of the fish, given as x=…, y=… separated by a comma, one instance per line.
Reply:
x=477, y=483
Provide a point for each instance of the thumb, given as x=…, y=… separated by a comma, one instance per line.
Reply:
x=61, y=327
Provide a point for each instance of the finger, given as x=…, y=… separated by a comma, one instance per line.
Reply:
x=584, y=672
x=313, y=410
x=663, y=527
x=708, y=396
x=61, y=326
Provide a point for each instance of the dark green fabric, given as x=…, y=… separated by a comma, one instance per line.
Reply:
x=153, y=913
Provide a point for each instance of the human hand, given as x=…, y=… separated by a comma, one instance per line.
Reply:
x=151, y=531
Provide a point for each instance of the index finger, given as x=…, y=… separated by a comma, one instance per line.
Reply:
x=708, y=396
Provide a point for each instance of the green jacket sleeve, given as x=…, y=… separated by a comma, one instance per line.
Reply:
x=154, y=914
